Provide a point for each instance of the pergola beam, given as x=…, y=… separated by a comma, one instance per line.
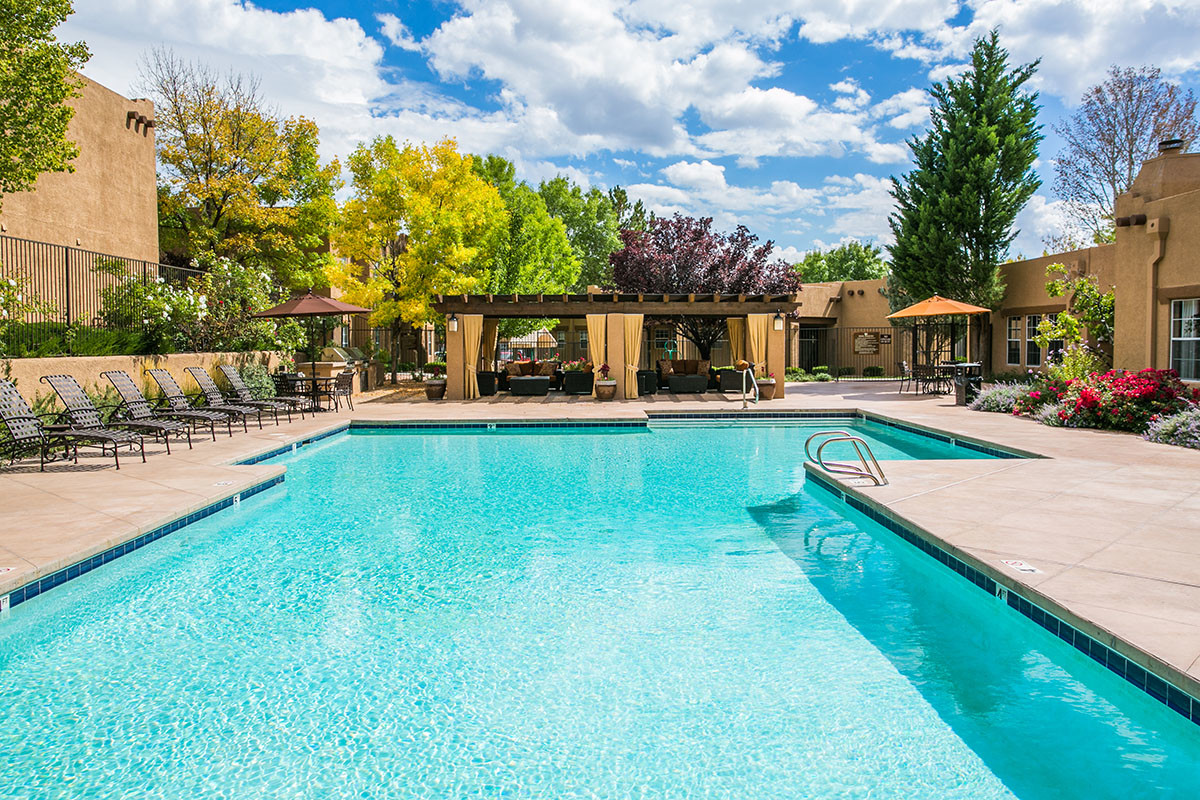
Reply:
x=579, y=305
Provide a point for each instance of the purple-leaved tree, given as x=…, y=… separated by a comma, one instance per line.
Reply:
x=683, y=255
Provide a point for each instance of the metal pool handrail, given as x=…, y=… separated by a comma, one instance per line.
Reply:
x=870, y=469
x=749, y=373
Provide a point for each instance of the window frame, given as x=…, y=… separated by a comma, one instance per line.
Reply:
x=1172, y=339
x=1013, y=341
x=1031, y=347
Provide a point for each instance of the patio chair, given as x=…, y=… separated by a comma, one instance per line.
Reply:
x=343, y=386
x=214, y=399
x=178, y=401
x=242, y=393
x=138, y=408
x=27, y=433
x=906, y=375
x=85, y=416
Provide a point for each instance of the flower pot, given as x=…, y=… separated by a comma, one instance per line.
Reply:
x=606, y=390
x=435, y=390
x=766, y=388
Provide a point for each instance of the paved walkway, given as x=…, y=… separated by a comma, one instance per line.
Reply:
x=1111, y=522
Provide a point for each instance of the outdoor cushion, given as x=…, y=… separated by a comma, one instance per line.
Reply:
x=702, y=367
x=513, y=368
x=665, y=366
x=546, y=368
x=526, y=368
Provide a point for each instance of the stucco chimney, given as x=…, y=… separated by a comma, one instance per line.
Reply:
x=1170, y=147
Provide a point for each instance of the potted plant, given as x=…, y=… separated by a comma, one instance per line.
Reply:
x=606, y=388
x=766, y=387
x=577, y=377
x=435, y=384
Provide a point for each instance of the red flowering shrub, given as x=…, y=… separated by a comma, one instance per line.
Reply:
x=1123, y=401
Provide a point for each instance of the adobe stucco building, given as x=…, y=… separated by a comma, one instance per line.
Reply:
x=109, y=204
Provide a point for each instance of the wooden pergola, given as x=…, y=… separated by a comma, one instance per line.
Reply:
x=615, y=314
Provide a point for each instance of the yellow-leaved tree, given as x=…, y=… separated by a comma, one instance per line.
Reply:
x=420, y=222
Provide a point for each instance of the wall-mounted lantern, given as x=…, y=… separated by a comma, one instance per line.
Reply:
x=778, y=321
x=452, y=323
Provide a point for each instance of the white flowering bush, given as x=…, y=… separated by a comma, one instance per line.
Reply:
x=1000, y=397
x=1181, y=430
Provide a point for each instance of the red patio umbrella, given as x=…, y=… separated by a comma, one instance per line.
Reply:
x=312, y=305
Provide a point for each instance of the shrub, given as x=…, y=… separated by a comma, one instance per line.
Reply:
x=1001, y=398
x=822, y=368
x=1076, y=362
x=434, y=369
x=846, y=371
x=258, y=378
x=822, y=377
x=1181, y=430
x=1124, y=401
x=794, y=374
x=873, y=372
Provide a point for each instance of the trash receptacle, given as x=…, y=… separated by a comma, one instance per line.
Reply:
x=487, y=383
x=966, y=387
x=647, y=382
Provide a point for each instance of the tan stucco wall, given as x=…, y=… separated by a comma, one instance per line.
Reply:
x=27, y=372
x=109, y=203
x=1157, y=260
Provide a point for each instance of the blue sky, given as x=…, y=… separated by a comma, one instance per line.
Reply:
x=785, y=115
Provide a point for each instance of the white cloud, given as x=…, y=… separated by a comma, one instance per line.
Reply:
x=397, y=32
x=906, y=109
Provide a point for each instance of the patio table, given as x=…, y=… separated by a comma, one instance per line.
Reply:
x=316, y=387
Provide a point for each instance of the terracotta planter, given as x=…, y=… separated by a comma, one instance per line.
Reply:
x=435, y=390
x=606, y=390
x=766, y=389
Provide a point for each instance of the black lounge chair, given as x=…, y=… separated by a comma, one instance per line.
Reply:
x=242, y=393
x=215, y=400
x=138, y=409
x=83, y=415
x=27, y=433
x=178, y=401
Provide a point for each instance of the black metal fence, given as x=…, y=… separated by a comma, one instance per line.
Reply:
x=69, y=288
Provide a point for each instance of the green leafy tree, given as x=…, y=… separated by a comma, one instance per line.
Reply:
x=1088, y=308
x=420, y=222
x=631, y=216
x=236, y=180
x=592, y=226
x=852, y=261
x=533, y=254
x=973, y=173
x=37, y=77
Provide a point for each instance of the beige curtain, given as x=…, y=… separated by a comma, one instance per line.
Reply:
x=737, y=338
x=596, y=343
x=491, y=329
x=758, y=327
x=472, y=326
x=633, y=353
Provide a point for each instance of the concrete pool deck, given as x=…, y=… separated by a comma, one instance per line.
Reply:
x=1111, y=523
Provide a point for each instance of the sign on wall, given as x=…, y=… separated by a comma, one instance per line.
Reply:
x=885, y=338
x=867, y=344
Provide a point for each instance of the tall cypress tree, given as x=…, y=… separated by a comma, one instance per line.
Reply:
x=973, y=173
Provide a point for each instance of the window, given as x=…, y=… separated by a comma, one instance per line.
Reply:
x=1055, y=345
x=1185, y=338
x=1014, y=340
x=1033, y=353
x=345, y=335
x=583, y=338
x=661, y=337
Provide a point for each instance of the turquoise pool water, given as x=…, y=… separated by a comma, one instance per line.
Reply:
x=665, y=613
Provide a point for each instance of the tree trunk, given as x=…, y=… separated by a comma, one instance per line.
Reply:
x=422, y=353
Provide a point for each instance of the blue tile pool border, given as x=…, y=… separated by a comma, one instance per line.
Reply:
x=287, y=448
x=988, y=448
x=41, y=585
x=485, y=425
x=1143, y=679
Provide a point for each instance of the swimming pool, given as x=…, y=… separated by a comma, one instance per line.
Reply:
x=664, y=612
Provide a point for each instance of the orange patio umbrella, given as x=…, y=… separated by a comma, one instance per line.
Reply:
x=938, y=306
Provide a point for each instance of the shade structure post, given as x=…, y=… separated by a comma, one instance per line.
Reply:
x=456, y=369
